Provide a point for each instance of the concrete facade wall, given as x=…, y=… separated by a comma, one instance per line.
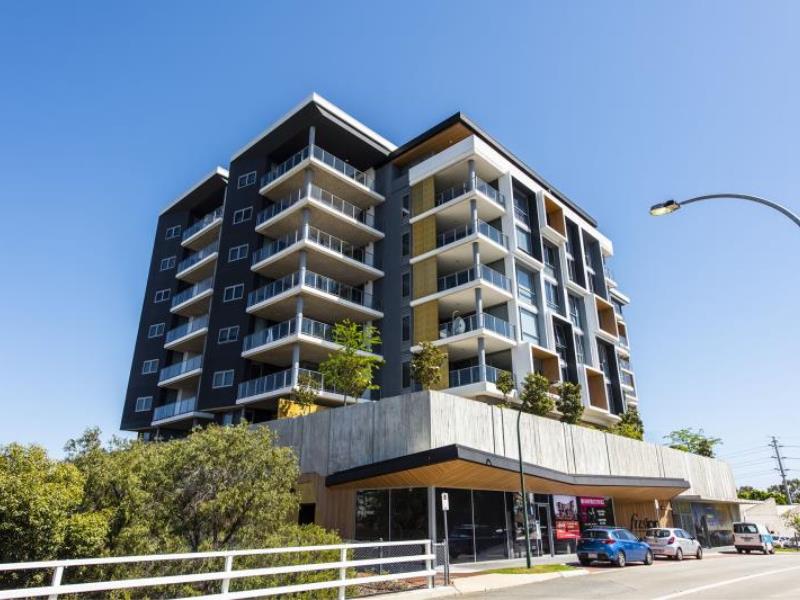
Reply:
x=353, y=436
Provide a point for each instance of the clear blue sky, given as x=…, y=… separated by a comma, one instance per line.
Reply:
x=110, y=110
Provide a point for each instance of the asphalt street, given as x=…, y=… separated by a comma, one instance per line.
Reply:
x=717, y=577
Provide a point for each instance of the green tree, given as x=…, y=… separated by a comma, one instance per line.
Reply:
x=307, y=390
x=692, y=441
x=505, y=385
x=630, y=425
x=535, y=395
x=40, y=512
x=350, y=368
x=747, y=492
x=426, y=365
x=569, y=402
x=794, y=488
x=792, y=519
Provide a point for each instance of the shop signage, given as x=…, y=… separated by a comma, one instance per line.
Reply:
x=566, y=517
x=595, y=512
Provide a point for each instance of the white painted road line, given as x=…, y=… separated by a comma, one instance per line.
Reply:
x=711, y=586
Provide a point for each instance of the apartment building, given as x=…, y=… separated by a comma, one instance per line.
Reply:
x=448, y=238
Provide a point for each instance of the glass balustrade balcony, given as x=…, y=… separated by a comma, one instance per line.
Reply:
x=316, y=281
x=280, y=206
x=280, y=381
x=173, y=409
x=317, y=236
x=186, y=329
x=470, y=375
x=332, y=201
x=189, y=293
x=286, y=329
x=324, y=157
x=473, y=322
x=272, y=289
x=195, y=258
x=462, y=188
x=213, y=216
x=276, y=246
x=458, y=233
x=187, y=366
x=461, y=277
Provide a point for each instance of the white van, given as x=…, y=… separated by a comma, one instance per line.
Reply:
x=752, y=536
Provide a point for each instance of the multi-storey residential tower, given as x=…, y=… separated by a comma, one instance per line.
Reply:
x=449, y=238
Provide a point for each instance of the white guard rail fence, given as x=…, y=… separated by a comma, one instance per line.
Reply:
x=382, y=562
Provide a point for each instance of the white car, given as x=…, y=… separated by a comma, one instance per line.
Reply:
x=673, y=542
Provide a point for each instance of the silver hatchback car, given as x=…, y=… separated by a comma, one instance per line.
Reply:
x=673, y=542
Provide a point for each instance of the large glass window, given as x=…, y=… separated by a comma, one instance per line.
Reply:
x=575, y=311
x=490, y=525
x=526, y=285
x=459, y=524
x=409, y=514
x=551, y=290
x=524, y=241
x=529, y=326
x=372, y=515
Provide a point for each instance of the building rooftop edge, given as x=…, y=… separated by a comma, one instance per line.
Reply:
x=218, y=171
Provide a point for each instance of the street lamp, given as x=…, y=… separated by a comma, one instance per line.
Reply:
x=670, y=206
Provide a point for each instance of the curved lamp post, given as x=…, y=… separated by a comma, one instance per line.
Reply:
x=670, y=206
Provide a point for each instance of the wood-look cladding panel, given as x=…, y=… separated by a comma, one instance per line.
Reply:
x=638, y=516
x=423, y=236
x=422, y=196
x=426, y=322
x=424, y=276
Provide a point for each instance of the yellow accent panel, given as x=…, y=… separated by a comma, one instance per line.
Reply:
x=291, y=409
x=423, y=236
x=426, y=322
x=422, y=195
x=424, y=274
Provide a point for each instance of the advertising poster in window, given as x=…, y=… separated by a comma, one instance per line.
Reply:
x=595, y=512
x=565, y=515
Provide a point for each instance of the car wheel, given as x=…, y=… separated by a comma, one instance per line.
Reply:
x=699, y=555
x=585, y=561
x=679, y=554
x=648, y=558
x=739, y=550
x=620, y=562
x=747, y=551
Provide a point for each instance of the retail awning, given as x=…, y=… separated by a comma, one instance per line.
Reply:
x=461, y=467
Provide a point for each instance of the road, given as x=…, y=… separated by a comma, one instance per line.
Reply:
x=717, y=577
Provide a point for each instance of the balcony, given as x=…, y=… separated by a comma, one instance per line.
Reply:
x=189, y=337
x=342, y=218
x=199, y=265
x=325, y=253
x=555, y=226
x=460, y=335
x=180, y=410
x=181, y=375
x=276, y=385
x=324, y=297
x=467, y=382
x=452, y=204
x=454, y=246
x=330, y=172
x=193, y=301
x=606, y=318
x=457, y=290
x=203, y=232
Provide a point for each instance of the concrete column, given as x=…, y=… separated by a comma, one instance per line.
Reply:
x=295, y=364
x=471, y=178
x=308, y=181
x=302, y=266
x=473, y=214
x=432, y=513
x=312, y=135
x=305, y=218
x=482, y=358
x=299, y=306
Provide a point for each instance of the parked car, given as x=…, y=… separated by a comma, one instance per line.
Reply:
x=752, y=536
x=612, y=544
x=672, y=542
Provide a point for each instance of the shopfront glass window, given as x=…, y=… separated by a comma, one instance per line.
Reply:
x=372, y=515
x=459, y=524
x=491, y=542
x=409, y=514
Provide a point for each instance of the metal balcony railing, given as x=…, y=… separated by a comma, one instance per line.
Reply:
x=471, y=375
x=180, y=368
x=189, y=293
x=207, y=220
x=275, y=246
x=462, y=188
x=471, y=323
x=319, y=282
x=265, y=384
x=324, y=157
x=198, y=256
x=187, y=328
x=447, y=282
x=172, y=409
x=348, y=209
x=340, y=246
x=458, y=233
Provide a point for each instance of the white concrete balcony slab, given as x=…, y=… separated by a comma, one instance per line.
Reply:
x=189, y=337
x=193, y=301
x=456, y=292
x=179, y=414
x=181, y=375
x=454, y=246
x=200, y=265
x=204, y=231
x=266, y=390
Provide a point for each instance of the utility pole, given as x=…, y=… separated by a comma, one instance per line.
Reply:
x=781, y=469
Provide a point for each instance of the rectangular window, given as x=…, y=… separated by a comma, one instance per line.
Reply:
x=156, y=330
x=222, y=379
x=524, y=241
x=550, y=260
x=561, y=342
x=238, y=253
x=227, y=335
x=406, y=206
x=173, y=232
x=551, y=291
x=162, y=295
x=526, y=289
x=227, y=418
x=246, y=180
x=572, y=269
x=579, y=348
x=406, y=285
x=242, y=215
x=167, y=263
x=406, y=244
x=406, y=328
x=406, y=374
x=144, y=403
x=233, y=292
x=575, y=311
x=521, y=210
x=150, y=366
x=529, y=326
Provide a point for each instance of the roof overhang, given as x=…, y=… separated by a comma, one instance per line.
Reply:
x=456, y=466
x=216, y=178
